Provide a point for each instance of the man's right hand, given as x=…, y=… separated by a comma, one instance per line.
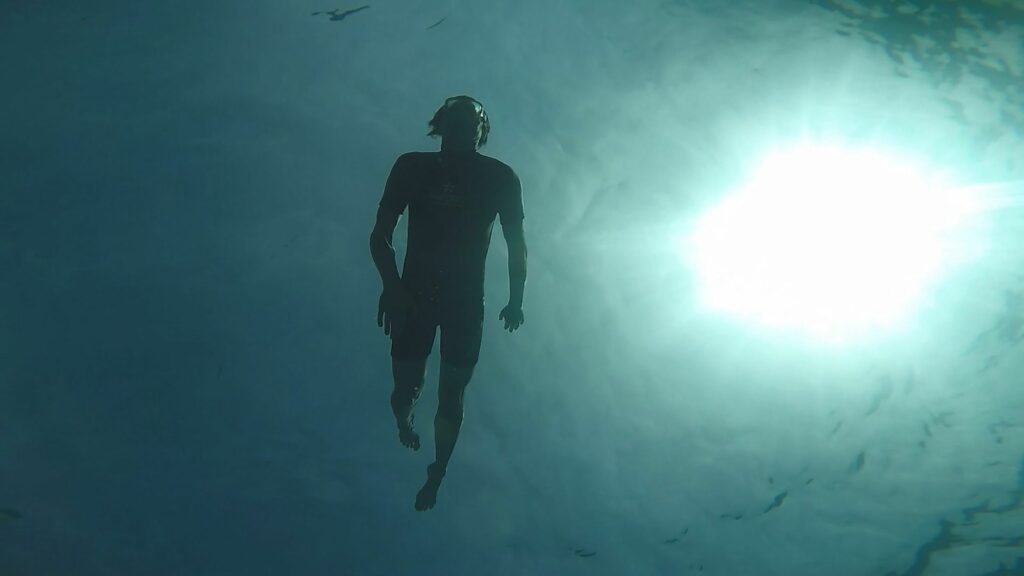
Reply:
x=395, y=302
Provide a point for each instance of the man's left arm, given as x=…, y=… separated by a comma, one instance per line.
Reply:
x=515, y=238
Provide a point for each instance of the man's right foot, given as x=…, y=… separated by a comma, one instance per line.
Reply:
x=407, y=435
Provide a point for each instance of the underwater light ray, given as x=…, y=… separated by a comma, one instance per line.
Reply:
x=833, y=240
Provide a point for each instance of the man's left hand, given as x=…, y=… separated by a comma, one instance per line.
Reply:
x=513, y=317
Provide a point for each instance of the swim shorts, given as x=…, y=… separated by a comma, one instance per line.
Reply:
x=461, y=333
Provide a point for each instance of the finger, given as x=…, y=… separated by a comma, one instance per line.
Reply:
x=387, y=324
x=380, y=317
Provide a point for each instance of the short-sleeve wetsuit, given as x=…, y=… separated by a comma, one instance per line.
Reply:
x=453, y=199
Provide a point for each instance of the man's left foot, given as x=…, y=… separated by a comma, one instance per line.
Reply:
x=427, y=495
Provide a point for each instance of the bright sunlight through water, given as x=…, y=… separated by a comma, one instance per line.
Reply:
x=830, y=240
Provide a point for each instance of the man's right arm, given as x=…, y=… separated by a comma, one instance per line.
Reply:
x=381, y=247
x=389, y=212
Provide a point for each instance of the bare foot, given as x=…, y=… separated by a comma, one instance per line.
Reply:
x=407, y=435
x=427, y=495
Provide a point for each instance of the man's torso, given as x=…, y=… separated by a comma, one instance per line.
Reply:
x=453, y=202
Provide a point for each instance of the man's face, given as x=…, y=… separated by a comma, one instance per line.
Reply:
x=463, y=122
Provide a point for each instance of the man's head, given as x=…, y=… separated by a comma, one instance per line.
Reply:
x=461, y=121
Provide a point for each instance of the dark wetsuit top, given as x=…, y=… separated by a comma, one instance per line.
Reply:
x=453, y=199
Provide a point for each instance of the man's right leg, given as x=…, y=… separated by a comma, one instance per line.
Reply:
x=410, y=348
x=408, y=375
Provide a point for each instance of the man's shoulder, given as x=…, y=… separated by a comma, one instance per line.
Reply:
x=497, y=166
x=412, y=158
x=417, y=160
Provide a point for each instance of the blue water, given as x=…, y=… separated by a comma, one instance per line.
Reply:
x=192, y=380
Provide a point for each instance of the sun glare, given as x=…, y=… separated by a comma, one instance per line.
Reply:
x=830, y=240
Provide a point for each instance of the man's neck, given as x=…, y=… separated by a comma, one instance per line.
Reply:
x=457, y=148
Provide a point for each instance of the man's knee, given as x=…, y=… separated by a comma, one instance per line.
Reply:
x=451, y=389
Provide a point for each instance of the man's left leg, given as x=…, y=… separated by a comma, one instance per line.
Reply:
x=447, y=423
x=460, y=349
x=448, y=419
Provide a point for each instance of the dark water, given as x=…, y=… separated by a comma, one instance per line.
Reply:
x=191, y=380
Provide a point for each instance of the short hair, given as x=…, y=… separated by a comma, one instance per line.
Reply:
x=437, y=122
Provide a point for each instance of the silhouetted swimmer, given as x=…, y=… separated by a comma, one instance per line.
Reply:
x=337, y=15
x=453, y=197
x=9, y=515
